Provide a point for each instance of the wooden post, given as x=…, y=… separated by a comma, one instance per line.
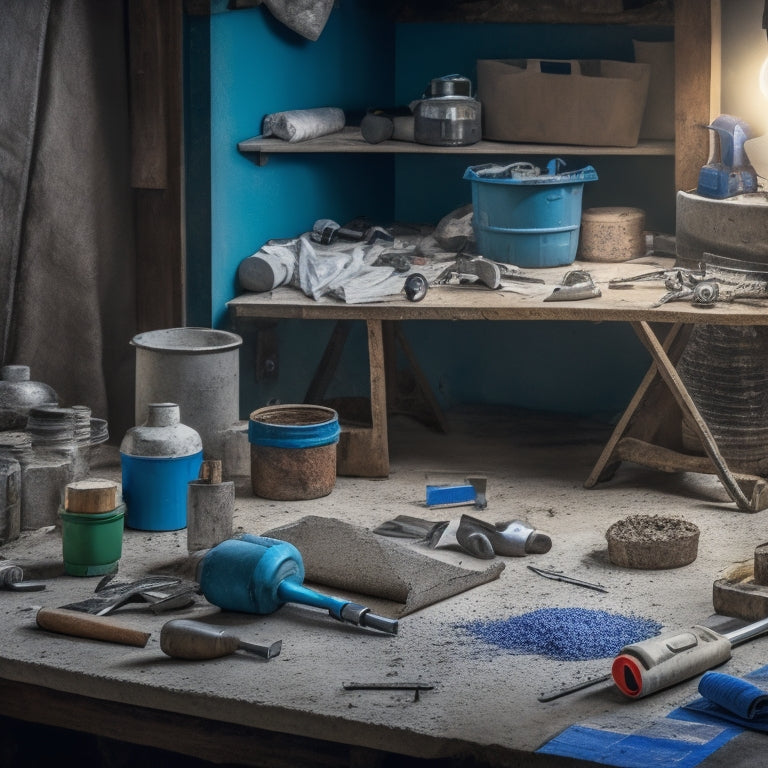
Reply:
x=697, y=84
x=761, y=565
x=155, y=45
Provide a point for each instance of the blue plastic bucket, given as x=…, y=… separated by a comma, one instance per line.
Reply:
x=155, y=490
x=524, y=219
x=293, y=451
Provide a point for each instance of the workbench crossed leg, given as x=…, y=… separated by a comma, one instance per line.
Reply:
x=645, y=413
x=649, y=411
x=363, y=451
x=420, y=402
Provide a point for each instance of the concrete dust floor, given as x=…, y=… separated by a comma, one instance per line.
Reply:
x=484, y=704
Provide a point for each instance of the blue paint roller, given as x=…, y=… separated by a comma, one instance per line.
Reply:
x=257, y=574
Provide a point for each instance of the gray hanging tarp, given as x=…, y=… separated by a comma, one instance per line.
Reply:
x=22, y=32
x=67, y=235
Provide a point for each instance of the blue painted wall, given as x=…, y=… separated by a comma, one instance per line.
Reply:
x=243, y=65
x=569, y=367
x=257, y=66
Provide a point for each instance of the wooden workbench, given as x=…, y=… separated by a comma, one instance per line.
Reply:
x=483, y=710
x=643, y=434
x=293, y=711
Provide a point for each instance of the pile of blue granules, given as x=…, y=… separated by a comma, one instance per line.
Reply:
x=564, y=634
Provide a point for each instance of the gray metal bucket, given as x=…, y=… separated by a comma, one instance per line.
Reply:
x=197, y=368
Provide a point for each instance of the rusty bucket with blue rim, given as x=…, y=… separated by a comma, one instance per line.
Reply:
x=293, y=451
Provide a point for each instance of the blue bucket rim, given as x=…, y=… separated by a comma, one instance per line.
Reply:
x=587, y=173
x=529, y=231
x=272, y=434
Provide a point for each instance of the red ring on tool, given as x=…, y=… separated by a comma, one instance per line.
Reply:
x=628, y=675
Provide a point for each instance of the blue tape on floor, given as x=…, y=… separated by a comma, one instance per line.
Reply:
x=684, y=738
x=662, y=744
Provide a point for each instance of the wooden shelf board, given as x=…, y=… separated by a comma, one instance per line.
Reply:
x=350, y=141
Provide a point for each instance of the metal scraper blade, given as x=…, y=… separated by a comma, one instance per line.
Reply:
x=111, y=597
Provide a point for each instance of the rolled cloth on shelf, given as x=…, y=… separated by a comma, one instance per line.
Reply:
x=302, y=124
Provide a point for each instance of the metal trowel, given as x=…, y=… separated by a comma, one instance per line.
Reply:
x=161, y=593
x=576, y=285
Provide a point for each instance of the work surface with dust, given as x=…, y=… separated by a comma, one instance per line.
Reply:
x=480, y=699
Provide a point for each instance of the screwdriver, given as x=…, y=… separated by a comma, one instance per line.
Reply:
x=186, y=639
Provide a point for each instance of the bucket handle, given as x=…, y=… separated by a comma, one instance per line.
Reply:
x=536, y=68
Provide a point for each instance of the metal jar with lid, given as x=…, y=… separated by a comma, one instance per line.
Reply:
x=158, y=460
x=18, y=394
x=447, y=116
x=447, y=121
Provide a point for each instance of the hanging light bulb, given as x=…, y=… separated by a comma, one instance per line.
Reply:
x=763, y=78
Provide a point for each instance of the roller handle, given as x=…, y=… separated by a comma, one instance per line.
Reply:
x=185, y=639
x=78, y=624
x=665, y=660
x=343, y=610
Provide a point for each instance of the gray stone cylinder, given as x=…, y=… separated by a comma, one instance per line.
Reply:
x=10, y=500
x=197, y=368
x=43, y=482
x=736, y=227
x=44, y=476
x=210, y=508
